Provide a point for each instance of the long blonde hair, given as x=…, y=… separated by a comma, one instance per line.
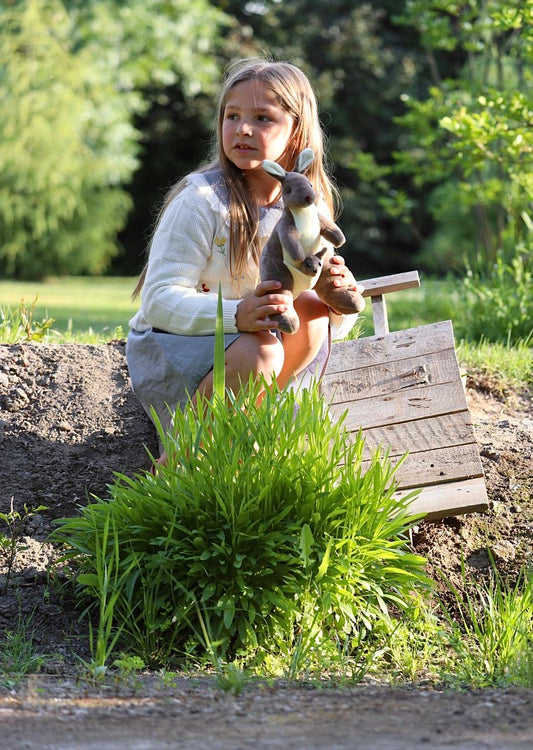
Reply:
x=295, y=95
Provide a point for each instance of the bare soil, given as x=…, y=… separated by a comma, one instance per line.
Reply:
x=68, y=422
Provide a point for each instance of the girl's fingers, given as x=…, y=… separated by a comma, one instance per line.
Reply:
x=264, y=287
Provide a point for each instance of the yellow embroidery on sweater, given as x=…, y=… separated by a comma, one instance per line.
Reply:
x=220, y=242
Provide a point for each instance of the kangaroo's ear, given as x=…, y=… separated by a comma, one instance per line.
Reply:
x=304, y=160
x=274, y=169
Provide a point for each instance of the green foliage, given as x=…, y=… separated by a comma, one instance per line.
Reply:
x=60, y=207
x=471, y=137
x=499, y=307
x=145, y=43
x=492, y=637
x=261, y=525
x=20, y=325
x=71, y=78
x=79, y=305
x=18, y=653
x=510, y=366
x=412, y=645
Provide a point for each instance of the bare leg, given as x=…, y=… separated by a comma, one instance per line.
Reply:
x=254, y=354
x=258, y=353
x=302, y=347
x=263, y=354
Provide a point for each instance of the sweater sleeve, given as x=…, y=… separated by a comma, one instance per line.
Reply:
x=180, y=252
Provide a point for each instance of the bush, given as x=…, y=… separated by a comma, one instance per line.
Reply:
x=262, y=524
x=499, y=307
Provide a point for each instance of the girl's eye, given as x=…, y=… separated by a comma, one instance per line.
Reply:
x=263, y=118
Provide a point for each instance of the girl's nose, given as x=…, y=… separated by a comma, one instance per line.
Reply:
x=244, y=128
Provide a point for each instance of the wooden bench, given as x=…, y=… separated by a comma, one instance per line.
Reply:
x=404, y=391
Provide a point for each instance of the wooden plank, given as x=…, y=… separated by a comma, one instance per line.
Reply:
x=377, y=350
x=391, y=377
x=421, y=434
x=393, y=283
x=452, y=499
x=402, y=406
x=437, y=466
x=404, y=391
x=379, y=315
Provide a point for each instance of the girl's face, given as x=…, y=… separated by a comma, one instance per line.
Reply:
x=254, y=127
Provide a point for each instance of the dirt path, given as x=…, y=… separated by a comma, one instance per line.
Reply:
x=198, y=718
x=68, y=421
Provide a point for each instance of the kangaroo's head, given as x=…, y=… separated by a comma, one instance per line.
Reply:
x=296, y=190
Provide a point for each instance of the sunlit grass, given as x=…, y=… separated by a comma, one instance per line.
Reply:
x=84, y=309
x=508, y=365
x=433, y=301
x=90, y=310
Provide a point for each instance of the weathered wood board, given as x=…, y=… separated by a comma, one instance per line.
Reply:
x=403, y=390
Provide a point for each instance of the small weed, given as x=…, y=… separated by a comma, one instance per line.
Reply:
x=18, y=325
x=493, y=639
x=128, y=667
x=168, y=678
x=230, y=678
x=11, y=544
x=18, y=654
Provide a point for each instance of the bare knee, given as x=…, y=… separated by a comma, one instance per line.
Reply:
x=259, y=354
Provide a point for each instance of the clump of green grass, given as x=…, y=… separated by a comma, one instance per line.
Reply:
x=492, y=637
x=19, y=324
x=498, y=304
x=261, y=525
x=18, y=653
x=510, y=365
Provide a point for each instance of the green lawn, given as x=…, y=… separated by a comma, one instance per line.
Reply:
x=433, y=301
x=77, y=304
x=94, y=310
x=100, y=305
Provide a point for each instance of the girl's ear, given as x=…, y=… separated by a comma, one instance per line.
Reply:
x=304, y=160
x=274, y=169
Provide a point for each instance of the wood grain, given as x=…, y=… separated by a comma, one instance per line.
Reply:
x=404, y=391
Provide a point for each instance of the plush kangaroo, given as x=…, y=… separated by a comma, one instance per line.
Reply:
x=296, y=254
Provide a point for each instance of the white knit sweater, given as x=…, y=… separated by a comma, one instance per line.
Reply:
x=189, y=258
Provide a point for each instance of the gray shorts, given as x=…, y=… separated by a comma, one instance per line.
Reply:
x=166, y=369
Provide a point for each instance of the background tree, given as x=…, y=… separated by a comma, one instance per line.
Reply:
x=470, y=140
x=71, y=77
x=360, y=63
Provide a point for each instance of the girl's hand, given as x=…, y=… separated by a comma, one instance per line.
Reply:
x=343, y=275
x=253, y=311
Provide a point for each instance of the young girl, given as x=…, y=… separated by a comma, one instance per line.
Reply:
x=211, y=231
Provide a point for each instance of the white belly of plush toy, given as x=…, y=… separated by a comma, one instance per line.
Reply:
x=308, y=227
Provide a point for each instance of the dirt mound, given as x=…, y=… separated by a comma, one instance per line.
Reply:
x=69, y=421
